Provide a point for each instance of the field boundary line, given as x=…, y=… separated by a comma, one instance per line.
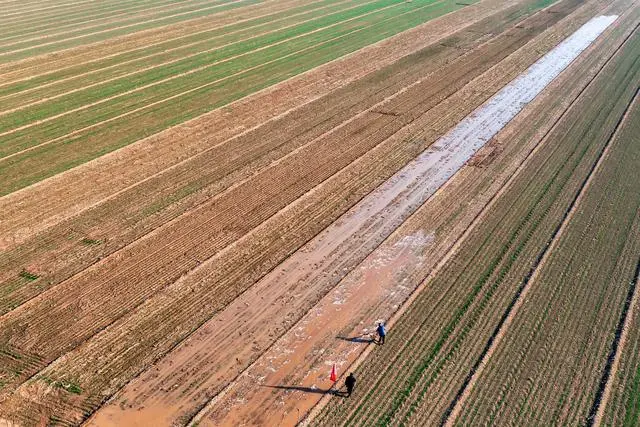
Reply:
x=87, y=106
x=509, y=314
x=111, y=29
x=71, y=26
x=453, y=249
x=193, y=70
x=603, y=392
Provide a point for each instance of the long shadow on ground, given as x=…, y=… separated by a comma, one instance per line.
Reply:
x=308, y=389
x=358, y=339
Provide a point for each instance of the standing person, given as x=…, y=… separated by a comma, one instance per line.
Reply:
x=382, y=333
x=350, y=382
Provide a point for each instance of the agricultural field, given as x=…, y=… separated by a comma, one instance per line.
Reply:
x=206, y=205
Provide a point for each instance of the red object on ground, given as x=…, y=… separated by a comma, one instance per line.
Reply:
x=334, y=374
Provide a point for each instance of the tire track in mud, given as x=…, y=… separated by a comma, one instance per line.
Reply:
x=509, y=314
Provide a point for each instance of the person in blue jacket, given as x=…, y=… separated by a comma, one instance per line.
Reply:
x=382, y=333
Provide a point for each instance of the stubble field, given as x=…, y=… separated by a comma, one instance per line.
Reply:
x=205, y=205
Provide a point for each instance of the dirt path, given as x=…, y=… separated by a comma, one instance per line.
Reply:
x=33, y=209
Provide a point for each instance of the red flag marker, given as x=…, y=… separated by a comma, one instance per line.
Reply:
x=334, y=374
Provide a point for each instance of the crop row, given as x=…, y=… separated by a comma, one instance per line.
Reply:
x=617, y=400
x=437, y=341
x=128, y=118
x=548, y=365
x=220, y=284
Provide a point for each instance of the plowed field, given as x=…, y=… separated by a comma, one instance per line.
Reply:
x=205, y=205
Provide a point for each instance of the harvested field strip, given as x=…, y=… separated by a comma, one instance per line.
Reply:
x=49, y=24
x=227, y=282
x=195, y=175
x=572, y=309
x=83, y=145
x=501, y=247
x=22, y=50
x=224, y=45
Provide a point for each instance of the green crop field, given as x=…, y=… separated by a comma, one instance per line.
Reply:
x=208, y=206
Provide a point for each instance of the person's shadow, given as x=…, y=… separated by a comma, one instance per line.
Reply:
x=358, y=339
x=309, y=389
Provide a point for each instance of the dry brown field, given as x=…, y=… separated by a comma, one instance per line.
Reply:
x=205, y=205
